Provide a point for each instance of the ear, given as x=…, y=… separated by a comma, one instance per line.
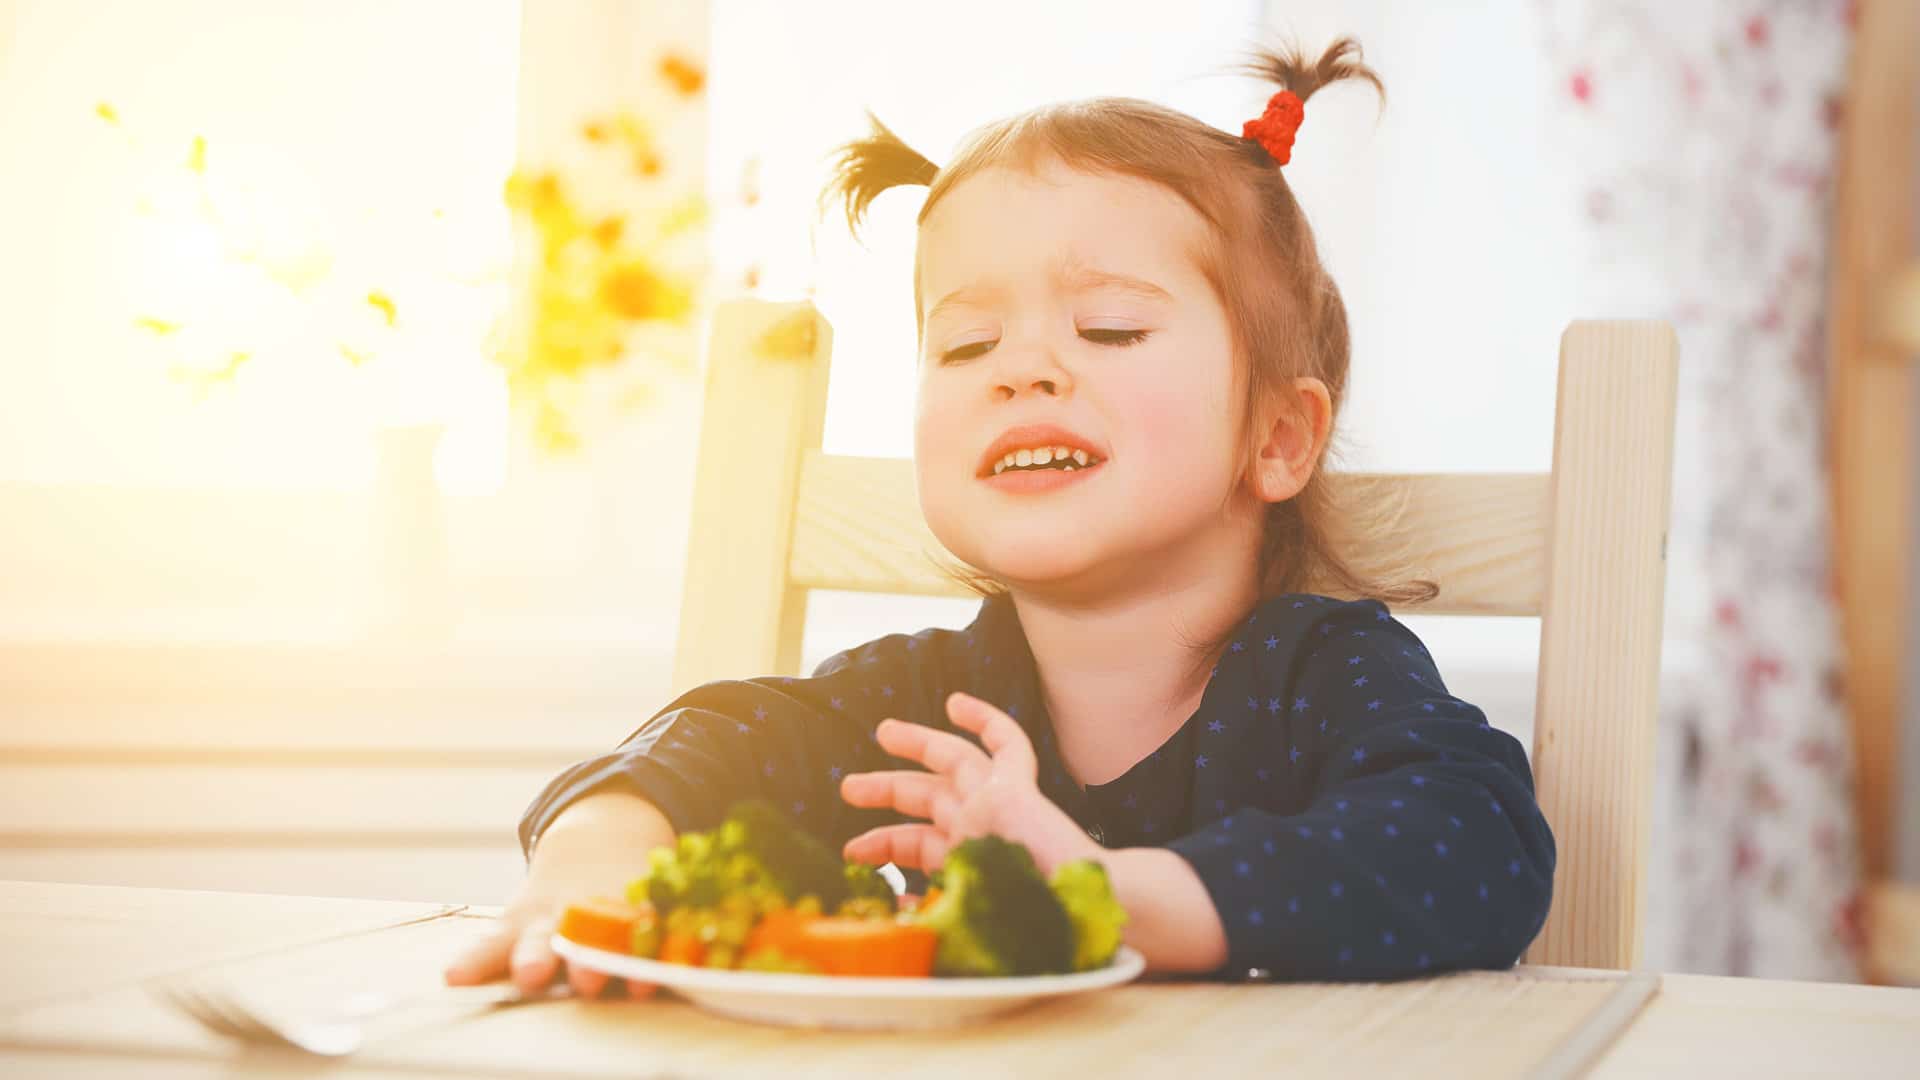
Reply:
x=1292, y=445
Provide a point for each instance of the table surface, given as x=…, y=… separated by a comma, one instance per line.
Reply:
x=82, y=961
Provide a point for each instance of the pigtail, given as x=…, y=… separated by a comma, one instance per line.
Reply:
x=1287, y=66
x=864, y=168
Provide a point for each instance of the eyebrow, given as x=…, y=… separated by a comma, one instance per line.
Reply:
x=1071, y=278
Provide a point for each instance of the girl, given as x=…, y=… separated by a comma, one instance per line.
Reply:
x=1130, y=361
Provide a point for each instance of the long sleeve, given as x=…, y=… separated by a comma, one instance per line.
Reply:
x=787, y=740
x=1417, y=844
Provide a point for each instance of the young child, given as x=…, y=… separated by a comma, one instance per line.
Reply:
x=1130, y=361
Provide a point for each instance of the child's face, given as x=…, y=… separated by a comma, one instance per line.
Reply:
x=1026, y=319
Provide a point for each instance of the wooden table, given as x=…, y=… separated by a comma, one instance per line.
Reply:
x=80, y=959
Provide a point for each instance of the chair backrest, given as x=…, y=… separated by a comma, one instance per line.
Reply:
x=1583, y=547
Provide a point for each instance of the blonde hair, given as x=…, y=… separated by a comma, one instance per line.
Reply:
x=1287, y=318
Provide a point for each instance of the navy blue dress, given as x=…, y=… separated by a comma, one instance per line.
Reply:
x=1349, y=817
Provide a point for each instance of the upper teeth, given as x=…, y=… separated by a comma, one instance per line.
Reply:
x=1043, y=455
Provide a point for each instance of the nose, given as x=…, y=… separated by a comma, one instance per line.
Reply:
x=1029, y=368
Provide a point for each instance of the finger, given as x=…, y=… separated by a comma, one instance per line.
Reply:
x=922, y=794
x=586, y=982
x=1001, y=734
x=941, y=751
x=921, y=847
x=485, y=959
x=638, y=990
x=533, y=962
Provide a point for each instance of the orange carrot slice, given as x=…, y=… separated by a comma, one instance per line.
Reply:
x=778, y=929
x=682, y=948
x=601, y=923
x=838, y=945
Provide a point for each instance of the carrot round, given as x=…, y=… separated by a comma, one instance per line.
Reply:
x=600, y=923
x=779, y=930
x=682, y=948
x=838, y=945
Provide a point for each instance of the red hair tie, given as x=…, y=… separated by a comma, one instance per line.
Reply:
x=1274, y=129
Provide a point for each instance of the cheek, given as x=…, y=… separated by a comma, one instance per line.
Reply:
x=1183, y=431
x=1182, y=428
x=932, y=423
x=939, y=446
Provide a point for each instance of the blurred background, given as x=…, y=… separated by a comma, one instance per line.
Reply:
x=352, y=378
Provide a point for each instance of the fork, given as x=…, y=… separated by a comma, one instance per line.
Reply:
x=339, y=1032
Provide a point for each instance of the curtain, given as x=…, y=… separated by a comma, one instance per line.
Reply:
x=1705, y=139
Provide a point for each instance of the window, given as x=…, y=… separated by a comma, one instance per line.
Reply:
x=198, y=180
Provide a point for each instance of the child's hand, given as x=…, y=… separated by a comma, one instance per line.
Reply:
x=588, y=851
x=967, y=793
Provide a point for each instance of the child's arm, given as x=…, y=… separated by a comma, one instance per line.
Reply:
x=1420, y=846
x=1170, y=916
x=968, y=790
x=786, y=740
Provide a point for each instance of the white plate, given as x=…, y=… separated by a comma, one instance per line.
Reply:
x=846, y=1001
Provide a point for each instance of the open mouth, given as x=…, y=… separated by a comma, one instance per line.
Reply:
x=1045, y=459
x=1049, y=476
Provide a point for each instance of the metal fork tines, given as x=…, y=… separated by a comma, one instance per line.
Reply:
x=334, y=1034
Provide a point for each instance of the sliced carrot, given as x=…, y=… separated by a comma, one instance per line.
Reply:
x=838, y=945
x=601, y=923
x=778, y=930
x=682, y=949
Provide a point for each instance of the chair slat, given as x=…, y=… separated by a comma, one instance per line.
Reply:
x=1600, y=633
x=765, y=406
x=1482, y=535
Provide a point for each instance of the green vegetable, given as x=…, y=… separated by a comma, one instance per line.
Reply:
x=868, y=907
x=865, y=883
x=781, y=854
x=757, y=860
x=686, y=874
x=774, y=960
x=996, y=915
x=646, y=936
x=1097, y=917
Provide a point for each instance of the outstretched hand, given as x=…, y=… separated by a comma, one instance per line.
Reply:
x=965, y=793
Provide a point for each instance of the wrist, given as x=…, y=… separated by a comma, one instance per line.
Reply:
x=604, y=826
x=1063, y=843
x=1171, y=919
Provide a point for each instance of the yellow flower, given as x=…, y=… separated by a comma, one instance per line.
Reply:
x=634, y=291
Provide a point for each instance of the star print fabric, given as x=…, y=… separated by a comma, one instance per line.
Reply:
x=1349, y=817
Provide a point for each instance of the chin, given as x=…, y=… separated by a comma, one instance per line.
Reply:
x=1037, y=547
x=1032, y=565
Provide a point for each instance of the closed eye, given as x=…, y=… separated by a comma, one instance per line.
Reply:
x=1097, y=335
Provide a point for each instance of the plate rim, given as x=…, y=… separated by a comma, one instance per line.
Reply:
x=1127, y=964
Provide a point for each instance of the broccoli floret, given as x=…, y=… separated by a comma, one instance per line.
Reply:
x=756, y=854
x=996, y=915
x=685, y=874
x=789, y=858
x=868, y=907
x=865, y=883
x=771, y=959
x=1097, y=917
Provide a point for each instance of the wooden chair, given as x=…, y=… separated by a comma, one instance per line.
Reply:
x=1583, y=547
x=1873, y=337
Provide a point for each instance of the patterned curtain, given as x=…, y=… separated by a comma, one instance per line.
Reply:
x=1704, y=135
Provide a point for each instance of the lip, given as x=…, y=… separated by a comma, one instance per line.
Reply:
x=1017, y=482
x=1026, y=435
